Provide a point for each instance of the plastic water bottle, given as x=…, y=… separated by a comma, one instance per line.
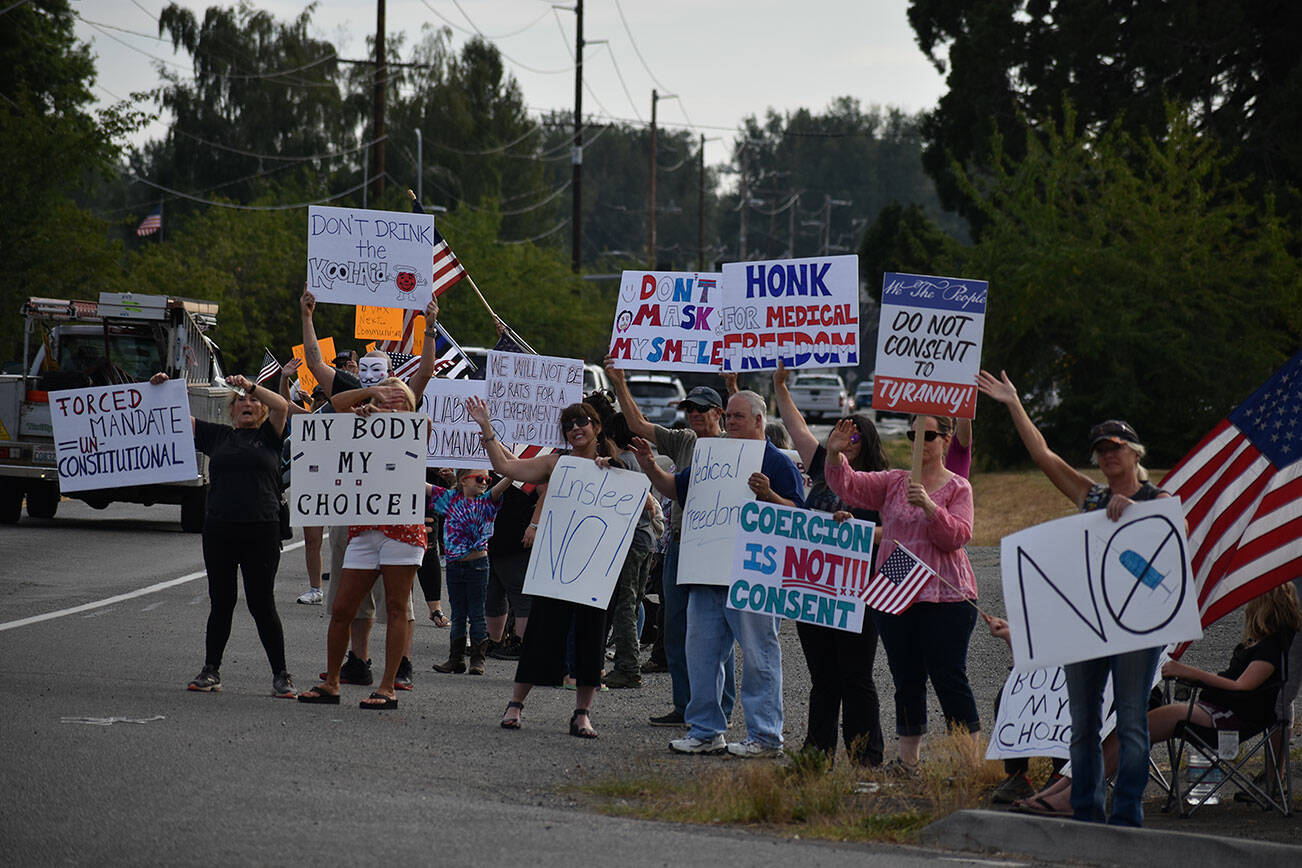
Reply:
x=1204, y=779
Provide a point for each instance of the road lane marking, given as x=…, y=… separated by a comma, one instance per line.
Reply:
x=112, y=601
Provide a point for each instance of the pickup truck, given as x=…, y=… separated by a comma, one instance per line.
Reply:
x=818, y=395
x=120, y=338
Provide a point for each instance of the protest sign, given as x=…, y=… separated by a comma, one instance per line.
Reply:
x=1085, y=586
x=454, y=437
x=378, y=323
x=1034, y=718
x=526, y=394
x=801, y=565
x=130, y=434
x=584, y=532
x=383, y=258
x=803, y=311
x=719, y=487
x=306, y=379
x=929, y=344
x=667, y=321
x=349, y=469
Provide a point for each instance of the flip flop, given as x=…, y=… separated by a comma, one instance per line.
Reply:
x=318, y=696
x=1038, y=807
x=439, y=619
x=384, y=703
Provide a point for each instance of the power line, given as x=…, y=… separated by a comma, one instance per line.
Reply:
x=476, y=32
x=504, y=35
x=291, y=159
x=237, y=207
x=620, y=9
x=552, y=231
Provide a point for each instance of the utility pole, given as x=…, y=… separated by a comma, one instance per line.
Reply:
x=576, y=154
x=420, y=168
x=828, y=202
x=700, y=208
x=381, y=79
x=791, y=227
x=745, y=195
x=651, y=215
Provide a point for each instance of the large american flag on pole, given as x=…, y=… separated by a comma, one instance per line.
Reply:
x=447, y=268
x=897, y=583
x=152, y=223
x=1241, y=489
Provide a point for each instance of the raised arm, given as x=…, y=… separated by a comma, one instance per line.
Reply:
x=661, y=479
x=801, y=437
x=500, y=488
x=324, y=372
x=277, y=407
x=286, y=370
x=429, y=353
x=1067, y=479
x=637, y=423
x=536, y=469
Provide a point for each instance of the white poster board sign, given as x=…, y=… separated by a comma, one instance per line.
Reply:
x=526, y=394
x=929, y=344
x=1084, y=586
x=376, y=258
x=584, y=532
x=349, y=469
x=719, y=487
x=130, y=434
x=454, y=436
x=801, y=565
x=803, y=311
x=667, y=321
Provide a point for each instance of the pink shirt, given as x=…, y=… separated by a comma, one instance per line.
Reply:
x=938, y=540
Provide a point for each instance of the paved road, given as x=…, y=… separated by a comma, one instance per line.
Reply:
x=241, y=777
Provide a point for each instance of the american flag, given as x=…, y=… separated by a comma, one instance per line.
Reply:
x=447, y=268
x=1241, y=489
x=152, y=223
x=407, y=343
x=898, y=581
x=450, y=360
x=269, y=365
x=403, y=364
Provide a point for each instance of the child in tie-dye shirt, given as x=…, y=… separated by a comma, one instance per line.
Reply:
x=468, y=512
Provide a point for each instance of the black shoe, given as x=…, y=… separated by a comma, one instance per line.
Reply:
x=1012, y=788
x=402, y=681
x=654, y=665
x=507, y=649
x=673, y=718
x=355, y=671
x=207, y=681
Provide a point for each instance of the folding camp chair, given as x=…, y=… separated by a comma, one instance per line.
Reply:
x=1274, y=789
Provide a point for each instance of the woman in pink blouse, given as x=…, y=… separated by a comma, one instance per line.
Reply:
x=933, y=519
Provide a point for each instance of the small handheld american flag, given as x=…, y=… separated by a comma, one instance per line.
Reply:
x=897, y=583
x=270, y=367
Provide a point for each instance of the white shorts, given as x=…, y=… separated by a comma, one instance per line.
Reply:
x=371, y=549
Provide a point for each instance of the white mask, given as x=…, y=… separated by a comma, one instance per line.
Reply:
x=371, y=370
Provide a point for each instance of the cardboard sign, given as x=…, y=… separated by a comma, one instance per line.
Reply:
x=131, y=434
x=1084, y=586
x=719, y=488
x=454, y=436
x=526, y=394
x=803, y=311
x=668, y=321
x=383, y=258
x=801, y=565
x=929, y=344
x=349, y=469
x=1034, y=717
x=306, y=379
x=584, y=532
x=378, y=323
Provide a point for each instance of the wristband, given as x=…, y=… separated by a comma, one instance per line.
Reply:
x=429, y=333
x=533, y=524
x=483, y=439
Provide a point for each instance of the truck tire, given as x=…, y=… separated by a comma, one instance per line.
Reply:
x=11, y=501
x=194, y=505
x=42, y=499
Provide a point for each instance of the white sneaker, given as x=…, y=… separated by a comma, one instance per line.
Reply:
x=752, y=749
x=312, y=597
x=717, y=744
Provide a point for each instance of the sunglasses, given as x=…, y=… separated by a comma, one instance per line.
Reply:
x=580, y=422
x=1108, y=446
x=477, y=477
x=927, y=435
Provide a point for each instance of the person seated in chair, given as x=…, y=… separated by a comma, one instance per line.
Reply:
x=1239, y=698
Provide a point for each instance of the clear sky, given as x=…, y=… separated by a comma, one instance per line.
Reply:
x=725, y=59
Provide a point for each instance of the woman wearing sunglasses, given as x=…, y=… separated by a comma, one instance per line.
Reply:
x=542, y=657
x=1115, y=448
x=933, y=519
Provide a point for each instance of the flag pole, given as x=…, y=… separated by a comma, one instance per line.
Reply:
x=947, y=583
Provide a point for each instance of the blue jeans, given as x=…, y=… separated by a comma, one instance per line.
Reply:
x=929, y=640
x=674, y=600
x=1132, y=679
x=467, y=585
x=712, y=628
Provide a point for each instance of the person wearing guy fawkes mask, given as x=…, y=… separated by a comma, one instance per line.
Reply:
x=371, y=369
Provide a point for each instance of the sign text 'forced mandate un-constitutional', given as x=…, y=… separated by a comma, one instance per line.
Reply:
x=801, y=565
x=348, y=469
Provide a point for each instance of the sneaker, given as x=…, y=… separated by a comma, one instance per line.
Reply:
x=507, y=649
x=1010, y=789
x=717, y=744
x=354, y=671
x=207, y=681
x=618, y=680
x=753, y=749
x=282, y=686
x=311, y=597
x=402, y=680
x=897, y=768
x=654, y=665
x=673, y=718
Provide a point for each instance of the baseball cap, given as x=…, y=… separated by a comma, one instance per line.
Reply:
x=702, y=396
x=1112, y=431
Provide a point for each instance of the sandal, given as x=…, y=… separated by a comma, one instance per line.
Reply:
x=378, y=702
x=1038, y=807
x=318, y=696
x=513, y=722
x=581, y=731
x=439, y=619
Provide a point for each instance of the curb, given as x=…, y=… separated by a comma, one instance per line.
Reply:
x=1058, y=840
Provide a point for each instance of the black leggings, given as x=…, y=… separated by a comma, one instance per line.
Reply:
x=254, y=549
x=430, y=574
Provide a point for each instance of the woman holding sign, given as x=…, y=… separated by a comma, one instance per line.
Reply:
x=932, y=517
x=542, y=658
x=1115, y=448
x=241, y=529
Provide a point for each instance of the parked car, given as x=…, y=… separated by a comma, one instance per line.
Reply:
x=819, y=394
x=594, y=378
x=863, y=395
x=658, y=396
